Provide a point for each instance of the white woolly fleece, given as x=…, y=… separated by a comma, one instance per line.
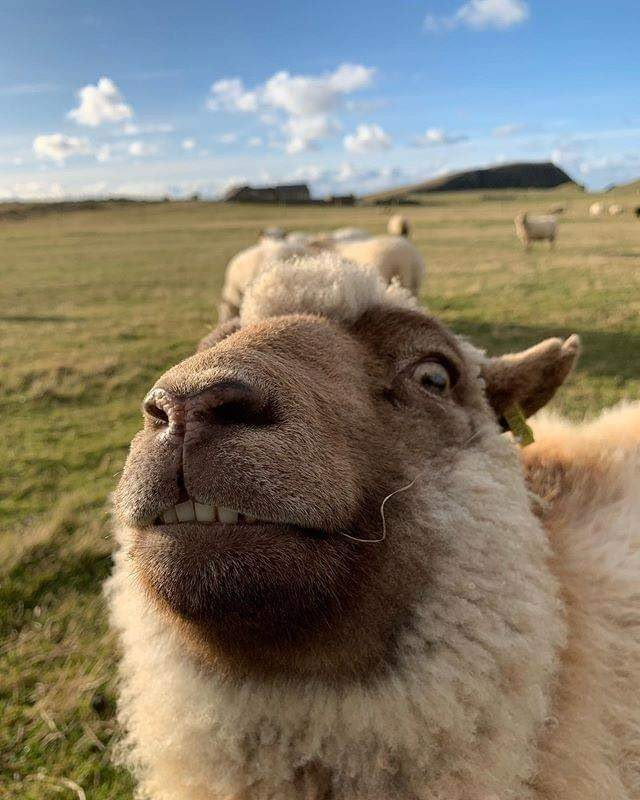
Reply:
x=479, y=704
x=464, y=708
x=325, y=284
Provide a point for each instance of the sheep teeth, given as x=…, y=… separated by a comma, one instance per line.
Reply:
x=204, y=513
x=185, y=511
x=169, y=516
x=192, y=511
x=227, y=515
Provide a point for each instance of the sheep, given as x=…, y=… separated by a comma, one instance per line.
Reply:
x=398, y=225
x=393, y=257
x=335, y=578
x=273, y=233
x=349, y=234
x=615, y=209
x=596, y=209
x=536, y=228
x=298, y=237
x=246, y=265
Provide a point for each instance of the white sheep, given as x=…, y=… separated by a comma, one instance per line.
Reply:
x=529, y=228
x=393, y=257
x=336, y=578
x=299, y=237
x=615, y=209
x=245, y=266
x=273, y=233
x=349, y=234
x=596, y=209
x=398, y=225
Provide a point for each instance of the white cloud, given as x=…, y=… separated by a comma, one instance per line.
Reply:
x=141, y=149
x=229, y=94
x=32, y=190
x=308, y=95
x=510, y=129
x=188, y=144
x=100, y=103
x=367, y=139
x=303, y=133
x=481, y=15
x=303, y=105
x=437, y=136
x=254, y=141
x=58, y=147
x=623, y=166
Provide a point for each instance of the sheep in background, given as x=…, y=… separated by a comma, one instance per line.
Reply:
x=246, y=265
x=615, y=209
x=274, y=233
x=298, y=237
x=596, y=209
x=349, y=235
x=337, y=579
x=542, y=227
x=398, y=225
x=393, y=257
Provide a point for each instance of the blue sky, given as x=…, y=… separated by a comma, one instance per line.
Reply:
x=154, y=98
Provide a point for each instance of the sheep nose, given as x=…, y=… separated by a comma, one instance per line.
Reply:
x=231, y=402
x=226, y=402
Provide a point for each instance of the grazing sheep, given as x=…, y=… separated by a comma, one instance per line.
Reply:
x=393, y=257
x=377, y=598
x=615, y=209
x=398, y=225
x=276, y=233
x=349, y=234
x=245, y=266
x=536, y=228
x=299, y=237
x=596, y=209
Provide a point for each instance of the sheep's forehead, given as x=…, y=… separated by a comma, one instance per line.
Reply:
x=325, y=285
x=333, y=288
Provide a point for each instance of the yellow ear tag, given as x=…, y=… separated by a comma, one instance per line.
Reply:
x=517, y=423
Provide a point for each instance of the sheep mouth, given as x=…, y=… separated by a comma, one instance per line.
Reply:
x=191, y=512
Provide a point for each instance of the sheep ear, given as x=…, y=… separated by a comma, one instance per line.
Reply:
x=218, y=334
x=530, y=378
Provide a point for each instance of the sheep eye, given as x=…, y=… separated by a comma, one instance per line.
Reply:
x=433, y=376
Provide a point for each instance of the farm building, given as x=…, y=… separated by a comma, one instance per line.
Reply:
x=287, y=193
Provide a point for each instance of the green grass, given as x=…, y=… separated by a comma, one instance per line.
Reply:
x=95, y=304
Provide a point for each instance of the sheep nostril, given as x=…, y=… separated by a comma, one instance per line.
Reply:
x=240, y=412
x=151, y=408
x=233, y=402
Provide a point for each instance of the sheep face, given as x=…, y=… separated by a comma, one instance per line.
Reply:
x=288, y=434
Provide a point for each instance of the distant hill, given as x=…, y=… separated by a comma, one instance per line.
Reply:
x=633, y=186
x=525, y=175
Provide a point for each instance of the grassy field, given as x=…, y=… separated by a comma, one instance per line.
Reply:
x=95, y=304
